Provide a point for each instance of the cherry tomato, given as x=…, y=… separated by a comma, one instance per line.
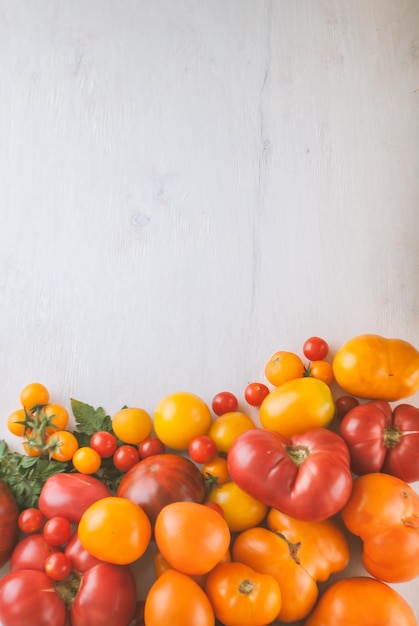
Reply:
x=65, y=445
x=104, y=443
x=215, y=472
x=315, y=349
x=58, y=415
x=224, y=402
x=30, y=520
x=13, y=422
x=86, y=460
x=202, y=449
x=151, y=446
x=58, y=566
x=344, y=404
x=255, y=393
x=132, y=425
x=322, y=370
x=282, y=367
x=125, y=457
x=179, y=417
x=34, y=394
x=57, y=531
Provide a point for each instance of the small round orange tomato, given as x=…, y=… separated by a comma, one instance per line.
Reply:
x=283, y=366
x=58, y=415
x=240, y=510
x=176, y=599
x=34, y=394
x=30, y=446
x=64, y=444
x=179, y=417
x=115, y=530
x=241, y=596
x=132, y=425
x=12, y=422
x=86, y=460
x=321, y=370
x=225, y=429
x=215, y=472
x=192, y=537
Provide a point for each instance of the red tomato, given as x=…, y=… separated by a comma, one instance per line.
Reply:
x=9, y=514
x=255, y=393
x=58, y=566
x=125, y=457
x=224, y=402
x=344, y=404
x=81, y=559
x=315, y=349
x=202, y=449
x=150, y=446
x=104, y=443
x=30, y=521
x=57, y=531
x=306, y=476
x=30, y=553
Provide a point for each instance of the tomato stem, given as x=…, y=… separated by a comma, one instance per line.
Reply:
x=298, y=454
x=392, y=436
x=292, y=547
x=67, y=589
x=246, y=586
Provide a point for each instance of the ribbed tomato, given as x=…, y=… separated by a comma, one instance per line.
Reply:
x=9, y=529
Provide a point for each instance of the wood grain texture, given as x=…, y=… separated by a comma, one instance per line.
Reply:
x=187, y=187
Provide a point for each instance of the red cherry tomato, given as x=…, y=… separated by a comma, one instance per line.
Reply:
x=224, y=402
x=104, y=443
x=125, y=457
x=57, y=531
x=202, y=449
x=30, y=521
x=315, y=349
x=344, y=404
x=151, y=446
x=255, y=393
x=58, y=566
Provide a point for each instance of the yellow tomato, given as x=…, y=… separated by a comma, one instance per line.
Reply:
x=132, y=425
x=225, y=429
x=371, y=366
x=33, y=394
x=179, y=417
x=297, y=406
x=282, y=367
x=240, y=510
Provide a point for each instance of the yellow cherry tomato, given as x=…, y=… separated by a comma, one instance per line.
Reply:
x=371, y=366
x=33, y=394
x=132, y=425
x=86, y=460
x=179, y=417
x=241, y=511
x=58, y=415
x=64, y=445
x=13, y=422
x=297, y=406
x=283, y=366
x=225, y=429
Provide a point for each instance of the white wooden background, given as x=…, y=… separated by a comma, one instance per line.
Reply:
x=189, y=186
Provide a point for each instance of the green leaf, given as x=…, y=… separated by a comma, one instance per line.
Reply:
x=88, y=419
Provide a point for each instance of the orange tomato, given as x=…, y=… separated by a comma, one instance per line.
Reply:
x=240, y=510
x=192, y=537
x=225, y=429
x=377, y=368
x=321, y=370
x=58, y=416
x=161, y=565
x=33, y=394
x=12, y=422
x=282, y=367
x=177, y=600
x=179, y=417
x=216, y=471
x=132, y=425
x=64, y=444
x=361, y=600
x=242, y=597
x=86, y=460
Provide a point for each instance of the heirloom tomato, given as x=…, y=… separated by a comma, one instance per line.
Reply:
x=160, y=479
x=383, y=511
x=377, y=368
x=240, y=510
x=307, y=475
x=179, y=417
x=9, y=529
x=240, y=596
x=298, y=554
x=192, y=537
x=81, y=559
x=225, y=429
x=382, y=439
x=297, y=405
x=361, y=600
x=30, y=553
x=177, y=600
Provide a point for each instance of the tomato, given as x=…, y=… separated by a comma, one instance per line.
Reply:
x=282, y=367
x=361, y=600
x=161, y=565
x=33, y=395
x=225, y=429
x=298, y=554
x=57, y=530
x=307, y=475
x=240, y=510
x=179, y=417
x=322, y=370
x=241, y=596
x=9, y=528
x=63, y=444
x=383, y=511
x=27, y=597
x=315, y=349
x=377, y=368
x=175, y=599
x=104, y=443
x=192, y=537
x=70, y=494
x=58, y=416
x=132, y=425
x=255, y=393
x=216, y=472
x=297, y=406
x=125, y=457
x=30, y=520
x=160, y=479
x=202, y=449
x=58, y=566
x=380, y=439
x=80, y=558
x=151, y=446
x=224, y=402
x=13, y=422
x=344, y=404
x=86, y=460
x=30, y=553
x=115, y=530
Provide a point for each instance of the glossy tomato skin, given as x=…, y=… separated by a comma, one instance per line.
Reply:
x=81, y=559
x=107, y=595
x=380, y=439
x=160, y=479
x=69, y=495
x=377, y=368
x=306, y=476
x=9, y=529
x=27, y=597
x=350, y=600
x=30, y=553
